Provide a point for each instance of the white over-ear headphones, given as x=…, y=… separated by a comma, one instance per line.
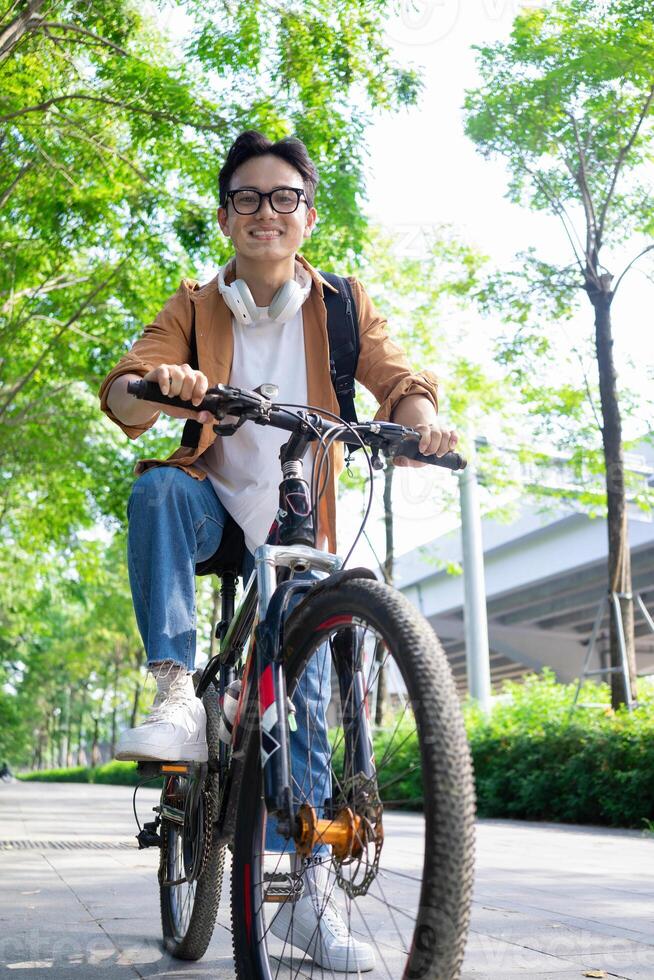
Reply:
x=285, y=303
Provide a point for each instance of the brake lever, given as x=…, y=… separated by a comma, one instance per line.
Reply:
x=229, y=428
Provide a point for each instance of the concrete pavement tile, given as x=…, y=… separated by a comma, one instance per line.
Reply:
x=489, y=957
x=635, y=964
x=562, y=936
x=550, y=901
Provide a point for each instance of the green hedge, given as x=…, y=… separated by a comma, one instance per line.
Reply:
x=114, y=773
x=532, y=761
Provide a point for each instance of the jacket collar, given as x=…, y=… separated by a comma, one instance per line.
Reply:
x=318, y=280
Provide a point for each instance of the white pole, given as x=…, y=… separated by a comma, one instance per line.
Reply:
x=474, y=588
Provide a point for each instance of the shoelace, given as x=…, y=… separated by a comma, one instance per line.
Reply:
x=328, y=912
x=168, y=707
x=334, y=920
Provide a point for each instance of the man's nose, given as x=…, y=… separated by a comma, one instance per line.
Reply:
x=266, y=209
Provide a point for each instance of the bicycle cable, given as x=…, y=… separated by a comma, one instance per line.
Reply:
x=142, y=782
x=325, y=442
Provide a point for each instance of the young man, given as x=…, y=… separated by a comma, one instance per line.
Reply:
x=262, y=319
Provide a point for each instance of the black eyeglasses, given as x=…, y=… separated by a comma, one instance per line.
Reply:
x=283, y=200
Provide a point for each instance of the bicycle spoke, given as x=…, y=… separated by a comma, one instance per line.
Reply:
x=372, y=875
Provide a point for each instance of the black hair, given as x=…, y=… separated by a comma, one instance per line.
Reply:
x=254, y=144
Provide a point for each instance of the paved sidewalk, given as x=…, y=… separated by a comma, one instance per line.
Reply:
x=551, y=901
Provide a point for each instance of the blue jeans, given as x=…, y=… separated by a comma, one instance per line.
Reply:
x=176, y=521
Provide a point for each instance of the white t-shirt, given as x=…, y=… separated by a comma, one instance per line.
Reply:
x=244, y=469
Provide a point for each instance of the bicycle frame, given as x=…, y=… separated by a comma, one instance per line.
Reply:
x=263, y=699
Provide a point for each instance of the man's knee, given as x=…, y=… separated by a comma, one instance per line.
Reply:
x=158, y=487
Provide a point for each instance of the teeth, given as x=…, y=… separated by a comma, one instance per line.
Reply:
x=266, y=234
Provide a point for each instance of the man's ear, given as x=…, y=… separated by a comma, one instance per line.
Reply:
x=222, y=221
x=310, y=224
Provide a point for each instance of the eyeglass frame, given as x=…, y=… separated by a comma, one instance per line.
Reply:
x=262, y=194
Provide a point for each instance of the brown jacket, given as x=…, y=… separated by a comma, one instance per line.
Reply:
x=382, y=368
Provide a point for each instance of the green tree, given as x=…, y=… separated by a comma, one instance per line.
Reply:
x=113, y=126
x=72, y=656
x=423, y=282
x=568, y=101
x=112, y=132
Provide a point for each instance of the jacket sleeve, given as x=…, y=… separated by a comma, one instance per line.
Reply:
x=165, y=341
x=383, y=367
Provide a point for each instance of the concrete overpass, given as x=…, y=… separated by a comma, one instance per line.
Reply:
x=545, y=577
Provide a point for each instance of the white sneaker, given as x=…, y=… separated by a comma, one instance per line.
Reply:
x=176, y=727
x=314, y=924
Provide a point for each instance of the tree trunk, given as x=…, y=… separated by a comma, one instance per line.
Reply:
x=95, y=750
x=38, y=756
x=11, y=34
x=135, y=704
x=618, y=537
x=80, y=742
x=387, y=569
x=114, y=708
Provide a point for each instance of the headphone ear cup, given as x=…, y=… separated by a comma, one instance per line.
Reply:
x=242, y=302
x=286, y=302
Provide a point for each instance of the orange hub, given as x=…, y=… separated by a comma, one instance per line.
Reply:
x=343, y=833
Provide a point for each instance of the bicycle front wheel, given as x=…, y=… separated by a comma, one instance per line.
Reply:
x=387, y=757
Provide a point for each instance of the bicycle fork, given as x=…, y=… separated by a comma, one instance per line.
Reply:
x=342, y=827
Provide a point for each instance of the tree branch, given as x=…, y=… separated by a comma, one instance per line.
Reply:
x=4, y=197
x=23, y=417
x=105, y=100
x=581, y=179
x=76, y=315
x=77, y=131
x=560, y=211
x=81, y=30
x=62, y=282
x=54, y=163
x=621, y=158
x=628, y=267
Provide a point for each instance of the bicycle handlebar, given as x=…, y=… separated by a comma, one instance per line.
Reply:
x=392, y=439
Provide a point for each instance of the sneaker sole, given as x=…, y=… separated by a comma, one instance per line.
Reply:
x=194, y=753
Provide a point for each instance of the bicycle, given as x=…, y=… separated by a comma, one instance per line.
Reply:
x=404, y=877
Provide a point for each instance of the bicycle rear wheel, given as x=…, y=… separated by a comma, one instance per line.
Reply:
x=190, y=858
x=404, y=887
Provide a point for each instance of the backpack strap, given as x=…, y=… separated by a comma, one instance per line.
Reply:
x=192, y=428
x=343, y=332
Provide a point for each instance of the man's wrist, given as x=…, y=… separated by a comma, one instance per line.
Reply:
x=414, y=410
x=126, y=408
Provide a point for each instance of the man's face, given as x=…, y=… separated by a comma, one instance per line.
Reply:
x=266, y=236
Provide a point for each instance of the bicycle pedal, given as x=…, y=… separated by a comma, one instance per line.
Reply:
x=282, y=887
x=148, y=770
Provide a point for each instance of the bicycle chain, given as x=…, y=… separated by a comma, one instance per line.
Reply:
x=207, y=802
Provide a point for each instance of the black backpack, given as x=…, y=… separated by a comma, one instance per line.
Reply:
x=343, y=333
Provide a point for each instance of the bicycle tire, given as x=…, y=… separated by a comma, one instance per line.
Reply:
x=188, y=940
x=442, y=919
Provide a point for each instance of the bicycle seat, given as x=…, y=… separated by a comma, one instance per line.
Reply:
x=230, y=554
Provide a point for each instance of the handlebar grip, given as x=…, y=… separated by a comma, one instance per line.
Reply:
x=150, y=391
x=450, y=461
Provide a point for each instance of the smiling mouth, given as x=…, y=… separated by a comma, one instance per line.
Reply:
x=266, y=235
